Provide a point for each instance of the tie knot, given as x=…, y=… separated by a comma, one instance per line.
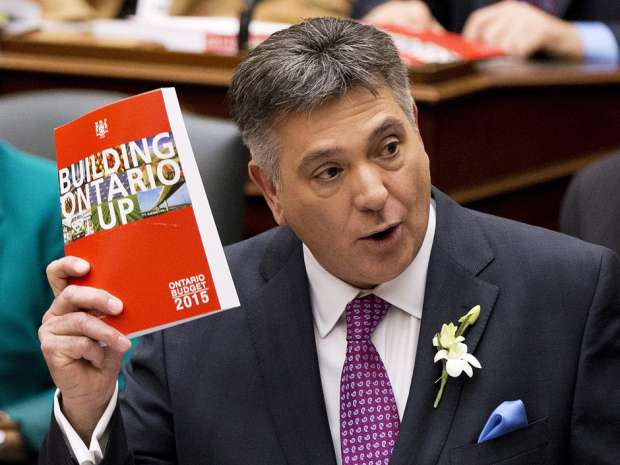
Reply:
x=363, y=316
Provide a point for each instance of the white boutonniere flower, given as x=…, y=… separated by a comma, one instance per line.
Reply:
x=452, y=351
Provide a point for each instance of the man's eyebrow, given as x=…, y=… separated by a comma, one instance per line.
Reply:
x=318, y=156
x=392, y=124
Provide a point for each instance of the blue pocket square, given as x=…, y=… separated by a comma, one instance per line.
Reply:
x=508, y=416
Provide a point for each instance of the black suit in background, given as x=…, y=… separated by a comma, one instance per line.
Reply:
x=591, y=209
x=452, y=14
x=243, y=387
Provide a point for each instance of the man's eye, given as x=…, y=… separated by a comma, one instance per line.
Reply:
x=391, y=149
x=328, y=174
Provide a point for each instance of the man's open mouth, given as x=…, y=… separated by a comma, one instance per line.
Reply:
x=384, y=234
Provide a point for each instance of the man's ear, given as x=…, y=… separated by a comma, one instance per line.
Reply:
x=264, y=182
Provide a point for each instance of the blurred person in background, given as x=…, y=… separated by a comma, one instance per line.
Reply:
x=287, y=11
x=574, y=29
x=591, y=207
x=30, y=236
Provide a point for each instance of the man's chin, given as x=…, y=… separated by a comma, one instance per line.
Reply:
x=374, y=277
x=369, y=265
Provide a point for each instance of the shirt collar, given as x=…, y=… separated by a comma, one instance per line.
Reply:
x=330, y=295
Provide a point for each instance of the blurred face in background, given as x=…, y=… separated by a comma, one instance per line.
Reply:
x=354, y=185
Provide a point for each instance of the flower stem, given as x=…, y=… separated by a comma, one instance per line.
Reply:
x=461, y=329
x=444, y=380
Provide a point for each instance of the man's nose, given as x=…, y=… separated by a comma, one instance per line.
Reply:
x=370, y=191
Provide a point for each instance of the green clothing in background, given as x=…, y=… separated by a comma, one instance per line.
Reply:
x=30, y=238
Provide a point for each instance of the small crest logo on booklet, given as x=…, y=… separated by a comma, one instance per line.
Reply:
x=101, y=128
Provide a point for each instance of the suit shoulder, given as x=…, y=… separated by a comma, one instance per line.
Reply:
x=550, y=266
x=539, y=246
x=249, y=251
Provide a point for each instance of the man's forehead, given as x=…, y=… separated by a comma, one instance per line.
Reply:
x=355, y=97
x=361, y=111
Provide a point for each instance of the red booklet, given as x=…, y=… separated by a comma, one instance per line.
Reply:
x=134, y=206
x=423, y=47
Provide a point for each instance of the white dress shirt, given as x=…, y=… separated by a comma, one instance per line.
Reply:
x=396, y=340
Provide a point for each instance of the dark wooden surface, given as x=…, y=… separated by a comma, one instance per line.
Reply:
x=503, y=133
x=503, y=139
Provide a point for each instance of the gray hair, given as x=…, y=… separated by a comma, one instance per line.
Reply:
x=300, y=68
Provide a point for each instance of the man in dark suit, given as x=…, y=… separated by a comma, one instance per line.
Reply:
x=331, y=358
x=574, y=29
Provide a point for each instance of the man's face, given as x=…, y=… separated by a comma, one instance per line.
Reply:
x=354, y=186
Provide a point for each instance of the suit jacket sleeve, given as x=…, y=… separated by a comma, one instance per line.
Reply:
x=595, y=422
x=145, y=404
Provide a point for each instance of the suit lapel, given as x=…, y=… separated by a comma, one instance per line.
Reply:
x=460, y=252
x=282, y=331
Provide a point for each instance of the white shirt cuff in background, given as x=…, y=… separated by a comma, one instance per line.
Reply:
x=599, y=43
x=93, y=454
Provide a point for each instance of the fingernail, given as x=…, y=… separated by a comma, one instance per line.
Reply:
x=81, y=266
x=115, y=305
x=124, y=343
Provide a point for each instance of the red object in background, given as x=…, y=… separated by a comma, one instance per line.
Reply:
x=425, y=47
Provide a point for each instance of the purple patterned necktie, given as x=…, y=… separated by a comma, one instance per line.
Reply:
x=548, y=5
x=368, y=413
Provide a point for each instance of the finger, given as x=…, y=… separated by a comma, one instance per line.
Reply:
x=74, y=348
x=524, y=47
x=420, y=17
x=413, y=13
x=497, y=31
x=437, y=28
x=59, y=271
x=518, y=43
x=381, y=13
x=84, y=324
x=75, y=298
x=478, y=22
x=521, y=41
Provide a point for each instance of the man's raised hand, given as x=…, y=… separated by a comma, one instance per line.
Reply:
x=82, y=352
